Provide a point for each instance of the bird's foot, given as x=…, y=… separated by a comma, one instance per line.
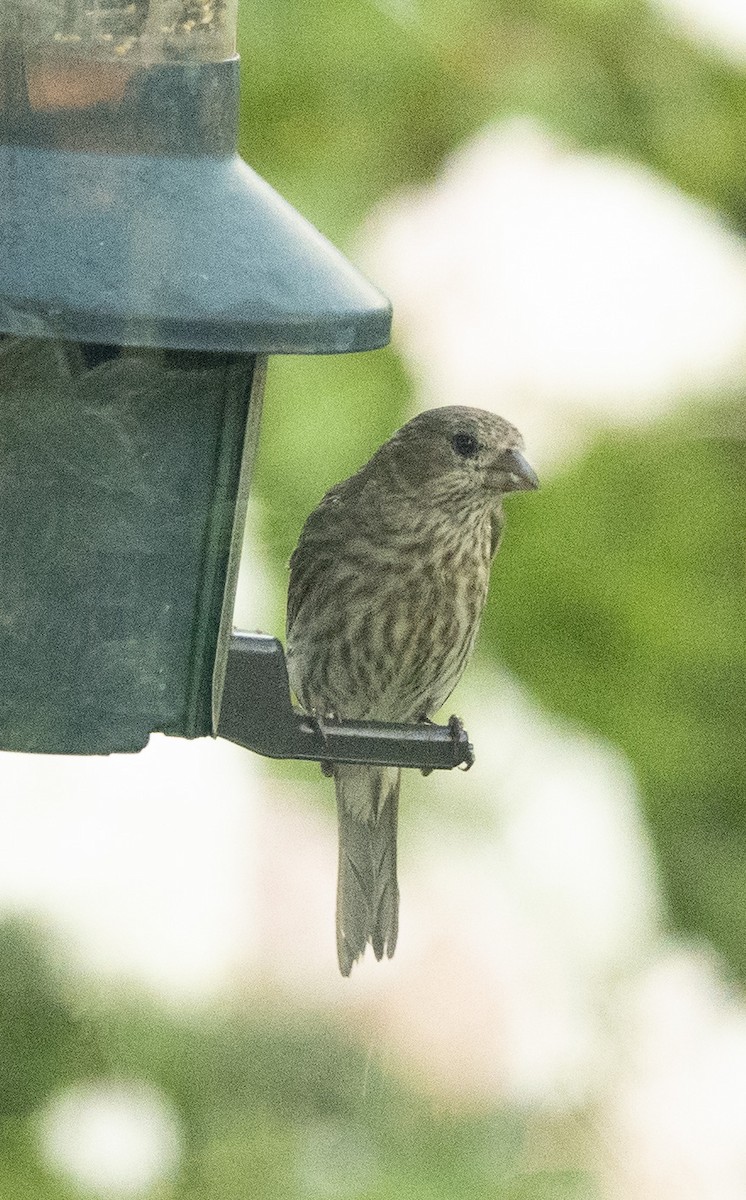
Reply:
x=456, y=726
x=319, y=723
x=426, y=721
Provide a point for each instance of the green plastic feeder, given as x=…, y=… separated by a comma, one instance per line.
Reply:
x=145, y=274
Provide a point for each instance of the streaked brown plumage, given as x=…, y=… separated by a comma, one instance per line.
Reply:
x=387, y=586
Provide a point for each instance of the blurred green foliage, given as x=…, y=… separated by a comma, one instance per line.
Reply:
x=342, y=102
x=629, y=573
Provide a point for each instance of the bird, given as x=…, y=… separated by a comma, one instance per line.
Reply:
x=387, y=586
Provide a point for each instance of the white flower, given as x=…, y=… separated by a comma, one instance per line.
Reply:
x=143, y=863
x=111, y=1139
x=676, y=1113
x=719, y=23
x=563, y=289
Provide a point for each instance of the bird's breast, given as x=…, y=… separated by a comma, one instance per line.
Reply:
x=387, y=632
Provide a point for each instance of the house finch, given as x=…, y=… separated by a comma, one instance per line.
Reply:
x=387, y=586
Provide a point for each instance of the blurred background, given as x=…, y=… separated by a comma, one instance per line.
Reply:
x=553, y=194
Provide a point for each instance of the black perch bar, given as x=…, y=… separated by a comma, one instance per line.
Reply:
x=256, y=712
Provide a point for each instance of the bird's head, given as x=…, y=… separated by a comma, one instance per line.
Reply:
x=459, y=453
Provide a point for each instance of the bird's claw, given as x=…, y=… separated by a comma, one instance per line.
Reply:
x=425, y=771
x=456, y=726
x=327, y=767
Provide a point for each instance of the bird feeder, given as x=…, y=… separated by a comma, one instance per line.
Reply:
x=146, y=273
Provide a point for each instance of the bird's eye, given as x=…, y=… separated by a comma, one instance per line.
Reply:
x=465, y=444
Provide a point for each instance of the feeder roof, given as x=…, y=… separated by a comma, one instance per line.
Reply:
x=183, y=246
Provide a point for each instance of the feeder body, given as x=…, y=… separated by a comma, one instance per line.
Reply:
x=145, y=274
x=119, y=485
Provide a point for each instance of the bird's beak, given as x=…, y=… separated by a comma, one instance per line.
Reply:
x=521, y=475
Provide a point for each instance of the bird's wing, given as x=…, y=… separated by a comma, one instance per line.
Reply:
x=316, y=542
x=496, y=527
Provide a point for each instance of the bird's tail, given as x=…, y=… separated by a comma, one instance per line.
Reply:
x=367, y=890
